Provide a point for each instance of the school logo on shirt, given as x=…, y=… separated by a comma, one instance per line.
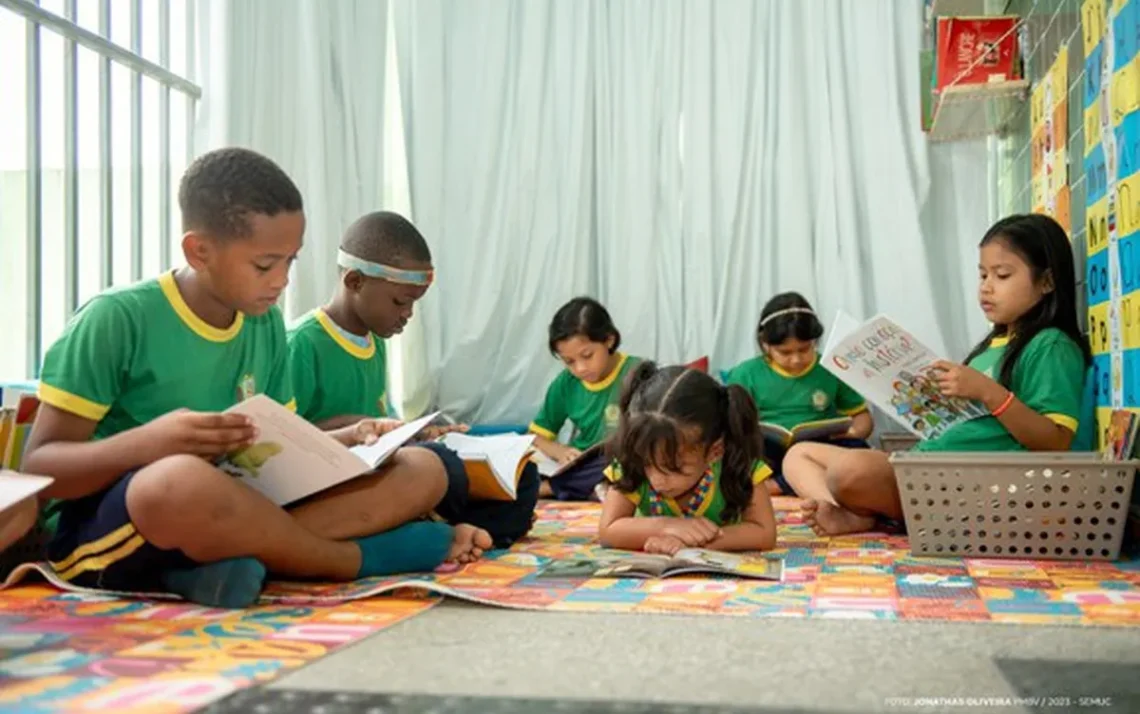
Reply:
x=819, y=400
x=247, y=387
x=612, y=414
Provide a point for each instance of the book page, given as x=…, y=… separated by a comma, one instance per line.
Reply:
x=292, y=458
x=376, y=453
x=15, y=487
x=504, y=452
x=704, y=560
x=890, y=368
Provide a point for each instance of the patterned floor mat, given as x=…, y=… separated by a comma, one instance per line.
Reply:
x=871, y=576
x=76, y=652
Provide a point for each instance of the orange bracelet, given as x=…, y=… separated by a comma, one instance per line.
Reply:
x=1004, y=405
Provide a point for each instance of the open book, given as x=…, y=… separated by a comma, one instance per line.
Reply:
x=819, y=430
x=550, y=468
x=293, y=459
x=15, y=487
x=892, y=370
x=689, y=561
x=494, y=464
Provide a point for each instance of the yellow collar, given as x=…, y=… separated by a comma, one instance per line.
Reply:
x=200, y=327
x=599, y=386
x=334, y=332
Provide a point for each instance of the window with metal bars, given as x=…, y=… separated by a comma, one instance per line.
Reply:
x=96, y=130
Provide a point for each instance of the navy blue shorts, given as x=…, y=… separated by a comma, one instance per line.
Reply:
x=578, y=483
x=774, y=454
x=505, y=521
x=97, y=546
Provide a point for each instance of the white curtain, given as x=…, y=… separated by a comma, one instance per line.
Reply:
x=681, y=161
x=302, y=81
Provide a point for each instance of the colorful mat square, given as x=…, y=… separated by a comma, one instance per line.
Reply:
x=77, y=652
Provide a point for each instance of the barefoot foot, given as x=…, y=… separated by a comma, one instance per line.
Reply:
x=468, y=544
x=827, y=519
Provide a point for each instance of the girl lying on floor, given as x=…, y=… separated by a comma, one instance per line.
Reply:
x=1029, y=372
x=688, y=471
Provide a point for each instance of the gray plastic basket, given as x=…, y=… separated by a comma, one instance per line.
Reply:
x=1042, y=505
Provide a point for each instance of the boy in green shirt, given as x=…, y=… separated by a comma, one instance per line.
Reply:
x=131, y=420
x=339, y=370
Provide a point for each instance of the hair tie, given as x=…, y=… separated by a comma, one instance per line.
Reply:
x=787, y=311
x=348, y=261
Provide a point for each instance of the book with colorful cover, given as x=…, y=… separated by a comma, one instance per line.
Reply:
x=819, y=430
x=550, y=468
x=892, y=369
x=688, y=561
x=293, y=459
x=494, y=464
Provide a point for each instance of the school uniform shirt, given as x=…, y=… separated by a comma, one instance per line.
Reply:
x=592, y=408
x=707, y=501
x=133, y=354
x=1048, y=378
x=790, y=400
x=334, y=372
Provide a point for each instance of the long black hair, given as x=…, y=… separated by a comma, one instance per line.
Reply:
x=660, y=410
x=586, y=317
x=787, y=315
x=1041, y=242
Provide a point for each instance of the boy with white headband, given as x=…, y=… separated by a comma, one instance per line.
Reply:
x=339, y=367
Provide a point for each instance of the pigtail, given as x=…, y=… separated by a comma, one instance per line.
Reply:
x=626, y=445
x=743, y=446
x=634, y=381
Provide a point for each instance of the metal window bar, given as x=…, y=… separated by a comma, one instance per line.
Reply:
x=106, y=161
x=34, y=188
x=191, y=72
x=165, y=198
x=71, y=169
x=136, y=148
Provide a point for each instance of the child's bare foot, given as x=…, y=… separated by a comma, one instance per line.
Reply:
x=468, y=544
x=827, y=519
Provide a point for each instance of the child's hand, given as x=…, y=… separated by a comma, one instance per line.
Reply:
x=957, y=380
x=200, y=433
x=432, y=433
x=367, y=431
x=569, y=453
x=664, y=544
x=693, y=532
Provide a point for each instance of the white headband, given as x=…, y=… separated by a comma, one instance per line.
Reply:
x=787, y=311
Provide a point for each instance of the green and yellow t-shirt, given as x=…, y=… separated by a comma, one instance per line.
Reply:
x=793, y=399
x=133, y=354
x=334, y=373
x=592, y=408
x=707, y=501
x=1048, y=377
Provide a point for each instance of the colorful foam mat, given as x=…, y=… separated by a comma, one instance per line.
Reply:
x=77, y=652
x=869, y=576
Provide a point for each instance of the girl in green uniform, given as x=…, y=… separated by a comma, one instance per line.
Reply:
x=688, y=471
x=1029, y=372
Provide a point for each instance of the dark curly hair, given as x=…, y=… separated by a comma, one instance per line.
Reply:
x=221, y=189
x=385, y=237
x=660, y=405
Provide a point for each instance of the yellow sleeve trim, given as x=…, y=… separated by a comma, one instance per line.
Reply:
x=613, y=475
x=854, y=410
x=1063, y=420
x=544, y=433
x=761, y=473
x=291, y=405
x=71, y=403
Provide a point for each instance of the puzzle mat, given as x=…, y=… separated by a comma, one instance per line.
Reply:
x=869, y=576
x=77, y=652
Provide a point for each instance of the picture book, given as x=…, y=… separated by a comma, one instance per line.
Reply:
x=15, y=487
x=494, y=464
x=892, y=369
x=819, y=430
x=15, y=426
x=689, y=561
x=1120, y=439
x=550, y=468
x=293, y=459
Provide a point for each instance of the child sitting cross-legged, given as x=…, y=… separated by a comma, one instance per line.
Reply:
x=688, y=471
x=132, y=420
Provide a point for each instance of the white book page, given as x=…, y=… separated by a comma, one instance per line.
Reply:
x=15, y=487
x=375, y=454
x=291, y=458
x=503, y=451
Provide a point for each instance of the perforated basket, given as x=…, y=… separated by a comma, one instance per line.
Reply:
x=1056, y=506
